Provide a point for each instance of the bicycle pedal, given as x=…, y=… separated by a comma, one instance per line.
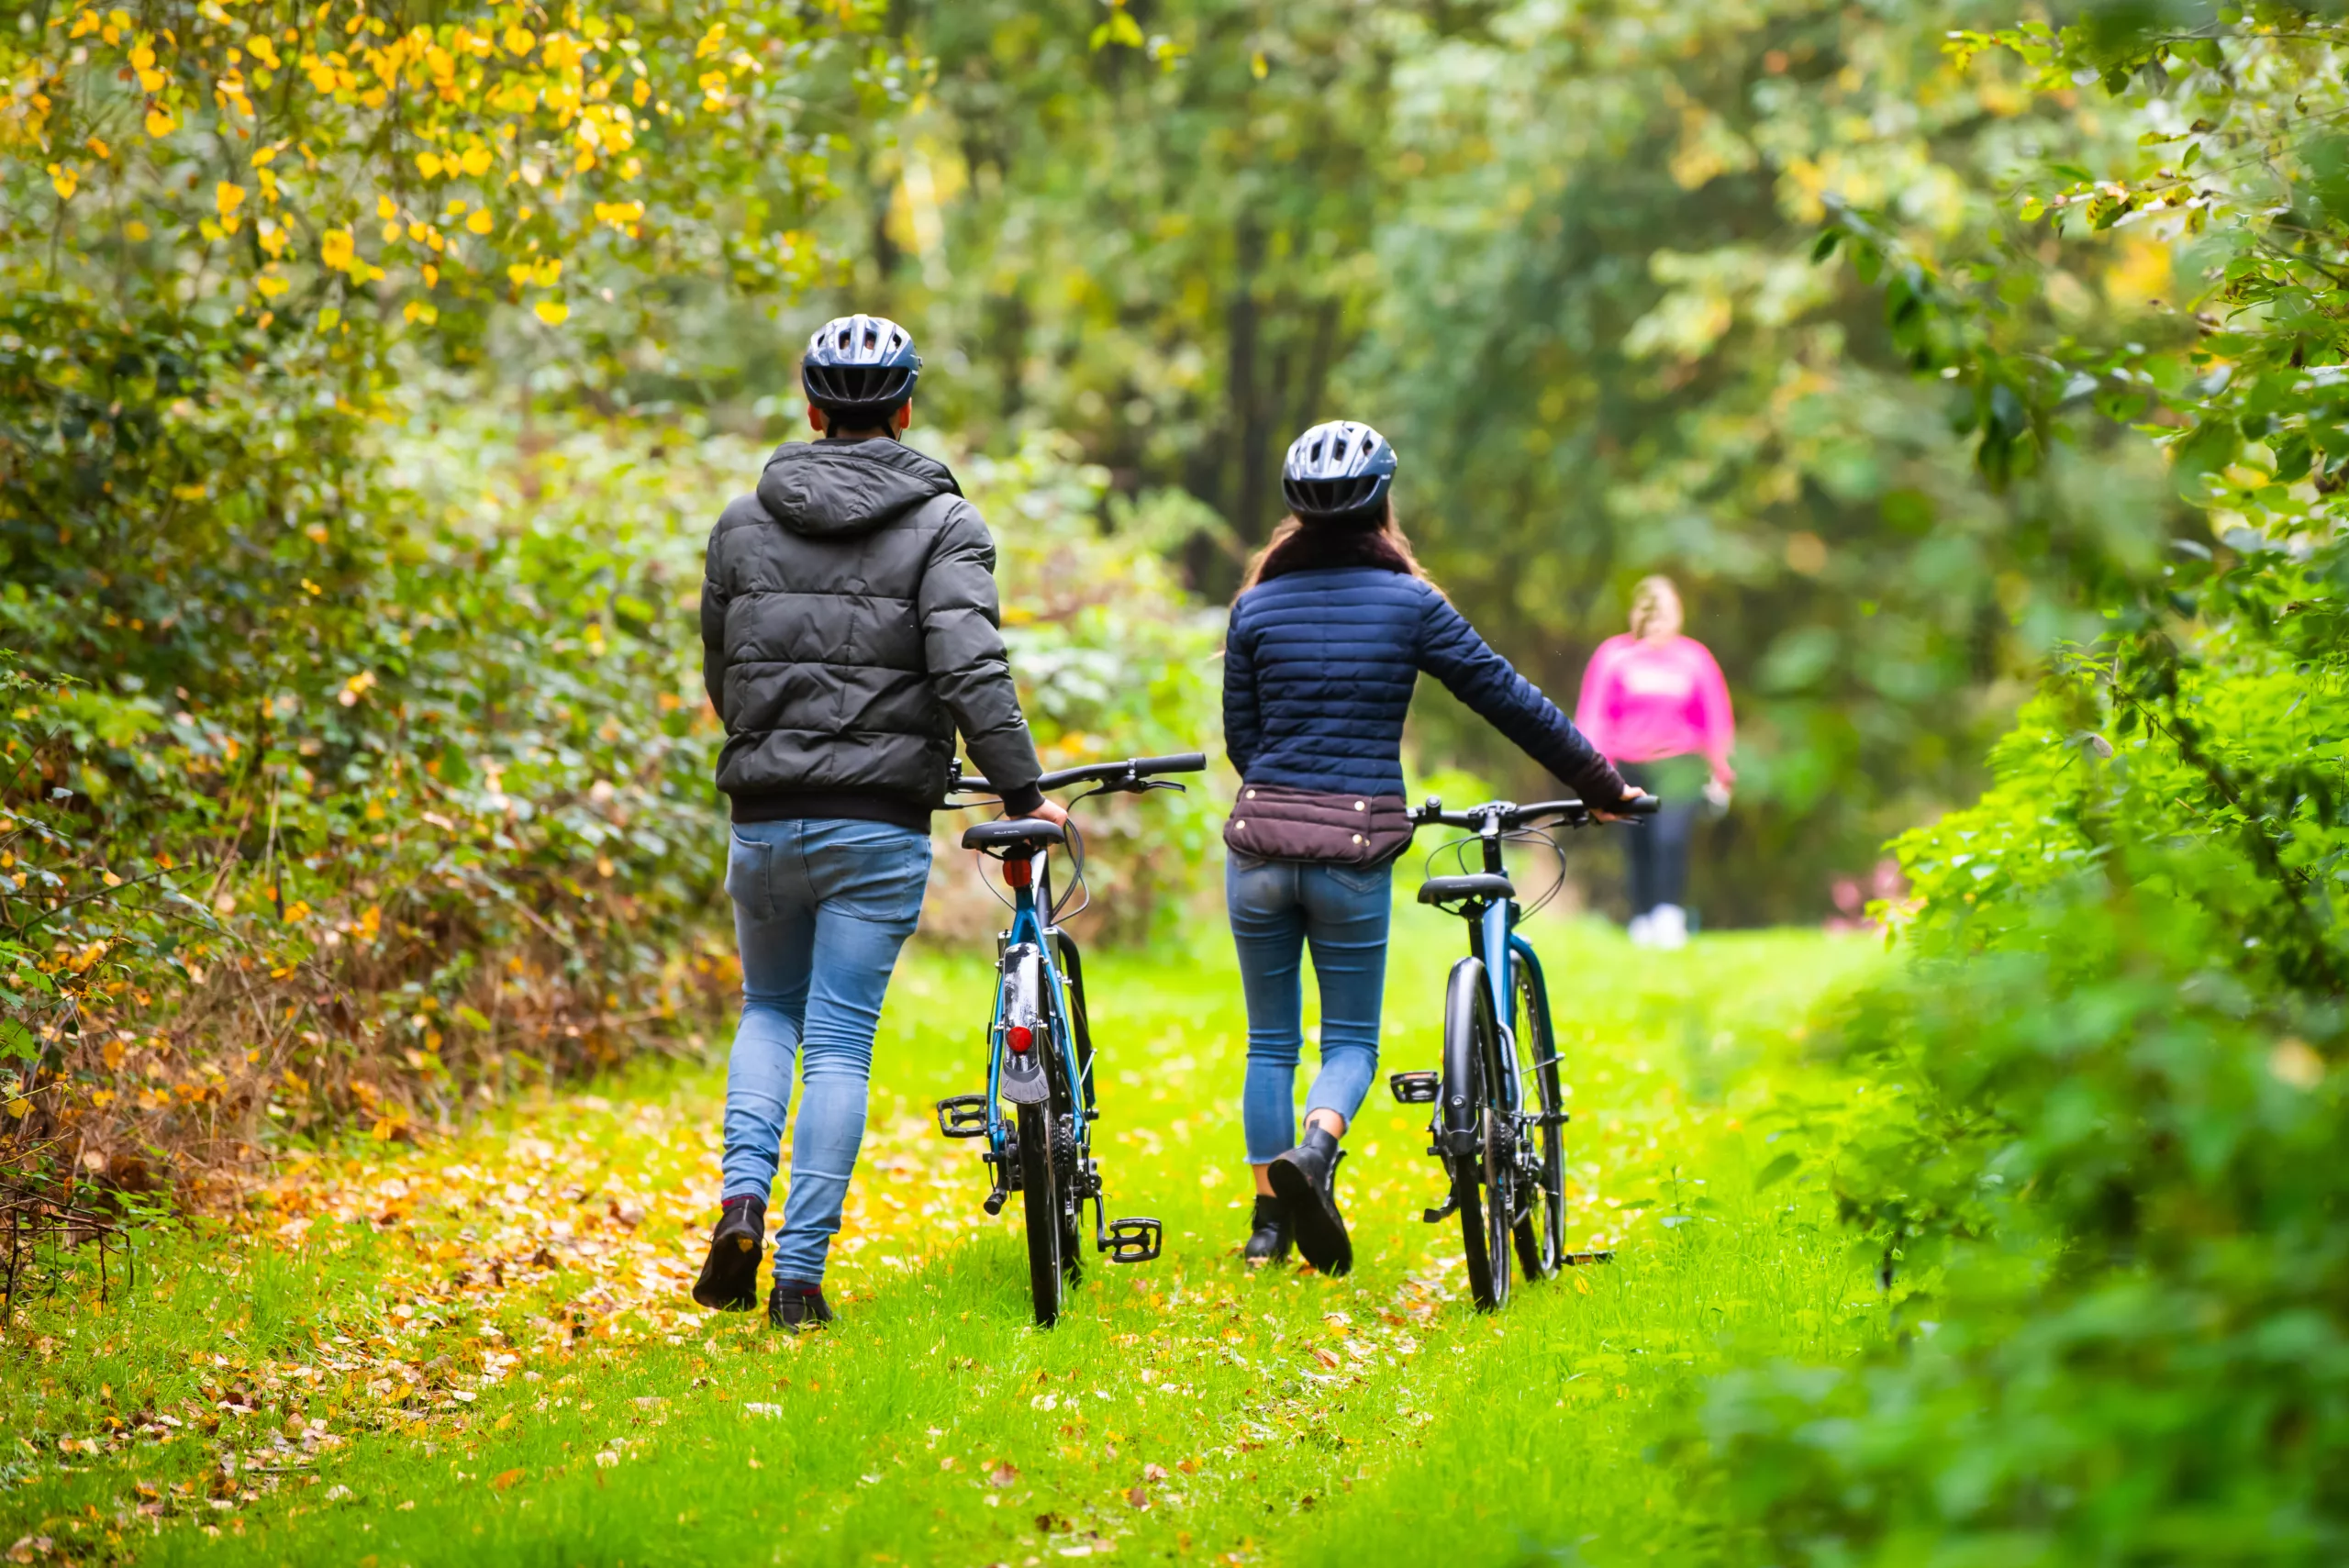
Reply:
x=962, y=1116
x=1438, y=1216
x=1607, y=1257
x=1415, y=1088
x=1133, y=1240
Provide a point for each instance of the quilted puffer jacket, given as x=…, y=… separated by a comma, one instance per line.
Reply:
x=848, y=627
x=1318, y=673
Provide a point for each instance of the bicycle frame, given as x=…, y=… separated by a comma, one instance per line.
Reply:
x=1028, y=927
x=1494, y=941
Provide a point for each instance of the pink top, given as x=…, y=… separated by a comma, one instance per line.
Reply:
x=1644, y=701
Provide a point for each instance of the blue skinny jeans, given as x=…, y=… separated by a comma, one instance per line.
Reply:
x=820, y=909
x=1277, y=909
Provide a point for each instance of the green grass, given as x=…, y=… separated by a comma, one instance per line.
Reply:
x=1188, y=1410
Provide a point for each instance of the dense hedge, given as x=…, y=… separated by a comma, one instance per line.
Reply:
x=2105, y=1188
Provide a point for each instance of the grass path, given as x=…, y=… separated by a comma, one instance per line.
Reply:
x=483, y=1352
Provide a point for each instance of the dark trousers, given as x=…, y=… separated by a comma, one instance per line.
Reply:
x=1657, y=848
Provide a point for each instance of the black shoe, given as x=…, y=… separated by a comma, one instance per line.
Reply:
x=796, y=1305
x=1269, y=1241
x=1305, y=1180
x=729, y=1275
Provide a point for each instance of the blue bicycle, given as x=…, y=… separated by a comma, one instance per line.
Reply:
x=1498, y=1127
x=1040, y=1043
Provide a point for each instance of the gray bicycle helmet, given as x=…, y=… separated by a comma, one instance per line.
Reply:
x=860, y=367
x=1339, y=472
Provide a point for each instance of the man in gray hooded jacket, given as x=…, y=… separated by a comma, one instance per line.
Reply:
x=848, y=628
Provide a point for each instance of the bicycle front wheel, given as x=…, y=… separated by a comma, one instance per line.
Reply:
x=1040, y=1189
x=1541, y=1230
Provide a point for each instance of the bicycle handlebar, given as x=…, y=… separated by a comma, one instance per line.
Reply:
x=1503, y=816
x=1127, y=775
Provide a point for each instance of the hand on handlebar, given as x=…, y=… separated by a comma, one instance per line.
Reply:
x=1051, y=811
x=1630, y=793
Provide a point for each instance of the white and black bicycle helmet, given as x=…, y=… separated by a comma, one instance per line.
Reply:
x=1338, y=471
x=858, y=369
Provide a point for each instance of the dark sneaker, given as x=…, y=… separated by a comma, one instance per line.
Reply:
x=797, y=1306
x=1268, y=1243
x=1305, y=1180
x=729, y=1275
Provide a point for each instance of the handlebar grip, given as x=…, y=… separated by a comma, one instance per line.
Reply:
x=1644, y=805
x=1182, y=763
x=971, y=783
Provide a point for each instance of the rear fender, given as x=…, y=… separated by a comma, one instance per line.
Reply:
x=1467, y=1015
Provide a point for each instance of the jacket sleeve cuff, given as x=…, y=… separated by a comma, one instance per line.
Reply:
x=1602, y=787
x=1023, y=801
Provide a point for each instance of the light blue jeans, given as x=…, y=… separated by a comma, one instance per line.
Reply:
x=1277, y=909
x=820, y=909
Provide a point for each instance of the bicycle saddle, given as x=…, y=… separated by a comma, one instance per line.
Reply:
x=1451, y=889
x=1013, y=832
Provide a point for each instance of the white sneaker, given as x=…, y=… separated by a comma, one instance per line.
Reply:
x=1642, y=930
x=1668, y=927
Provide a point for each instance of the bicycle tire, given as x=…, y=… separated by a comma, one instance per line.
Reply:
x=1470, y=1048
x=1071, y=1164
x=1079, y=1018
x=1068, y=1153
x=1541, y=1231
x=1039, y=1193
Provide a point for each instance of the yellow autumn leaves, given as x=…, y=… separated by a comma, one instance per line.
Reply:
x=473, y=161
x=490, y=80
x=543, y=272
x=344, y=148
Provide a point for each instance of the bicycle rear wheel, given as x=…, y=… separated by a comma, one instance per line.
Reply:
x=1479, y=1144
x=1541, y=1160
x=1040, y=1190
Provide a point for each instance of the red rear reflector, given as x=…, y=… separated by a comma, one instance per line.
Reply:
x=1019, y=872
x=1019, y=1037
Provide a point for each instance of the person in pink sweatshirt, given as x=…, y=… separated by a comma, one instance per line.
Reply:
x=1655, y=704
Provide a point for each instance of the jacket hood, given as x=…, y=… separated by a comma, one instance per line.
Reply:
x=838, y=489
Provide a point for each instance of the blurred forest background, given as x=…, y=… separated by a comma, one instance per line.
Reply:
x=1562, y=255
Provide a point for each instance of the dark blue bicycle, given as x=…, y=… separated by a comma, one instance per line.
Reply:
x=1040, y=1043
x=1500, y=1115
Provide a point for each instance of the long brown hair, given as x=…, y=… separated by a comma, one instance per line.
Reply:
x=1388, y=530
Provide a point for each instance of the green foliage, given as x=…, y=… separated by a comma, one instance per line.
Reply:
x=353, y=761
x=452, y=830
x=2107, y=1187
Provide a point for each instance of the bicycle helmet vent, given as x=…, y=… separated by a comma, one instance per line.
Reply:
x=860, y=365
x=1337, y=471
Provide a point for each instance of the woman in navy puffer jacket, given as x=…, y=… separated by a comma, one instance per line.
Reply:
x=1328, y=637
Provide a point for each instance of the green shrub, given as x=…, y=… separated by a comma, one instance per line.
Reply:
x=2105, y=1184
